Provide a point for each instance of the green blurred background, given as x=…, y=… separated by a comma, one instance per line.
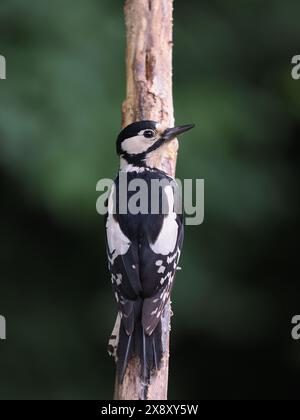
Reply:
x=59, y=117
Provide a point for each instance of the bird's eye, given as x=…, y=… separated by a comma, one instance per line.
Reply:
x=149, y=134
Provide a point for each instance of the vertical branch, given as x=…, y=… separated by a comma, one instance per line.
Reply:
x=149, y=25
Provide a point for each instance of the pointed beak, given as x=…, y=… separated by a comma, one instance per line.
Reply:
x=172, y=133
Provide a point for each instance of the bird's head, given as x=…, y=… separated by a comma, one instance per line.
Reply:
x=138, y=142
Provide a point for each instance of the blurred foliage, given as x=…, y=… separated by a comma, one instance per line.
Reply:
x=59, y=117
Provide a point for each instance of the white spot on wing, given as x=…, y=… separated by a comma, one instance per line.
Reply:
x=171, y=258
x=167, y=277
x=114, y=338
x=119, y=279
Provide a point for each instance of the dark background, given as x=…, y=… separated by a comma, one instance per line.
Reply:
x=59, y=117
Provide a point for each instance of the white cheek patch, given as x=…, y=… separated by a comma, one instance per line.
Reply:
x=136, y=145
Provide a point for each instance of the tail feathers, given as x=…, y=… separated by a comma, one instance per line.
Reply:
x=147, y=348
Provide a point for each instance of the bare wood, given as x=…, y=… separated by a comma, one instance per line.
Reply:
x=149, y=25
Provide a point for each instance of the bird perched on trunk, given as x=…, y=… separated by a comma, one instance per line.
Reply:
x=144, y=241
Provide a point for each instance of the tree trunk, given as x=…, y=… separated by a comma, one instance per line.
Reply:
x=149, y=25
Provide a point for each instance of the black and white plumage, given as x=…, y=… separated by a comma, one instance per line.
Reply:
x=143, y=249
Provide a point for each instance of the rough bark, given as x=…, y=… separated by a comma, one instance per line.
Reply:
x=149, y=25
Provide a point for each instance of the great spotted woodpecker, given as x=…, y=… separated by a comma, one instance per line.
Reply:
x=143, y=249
